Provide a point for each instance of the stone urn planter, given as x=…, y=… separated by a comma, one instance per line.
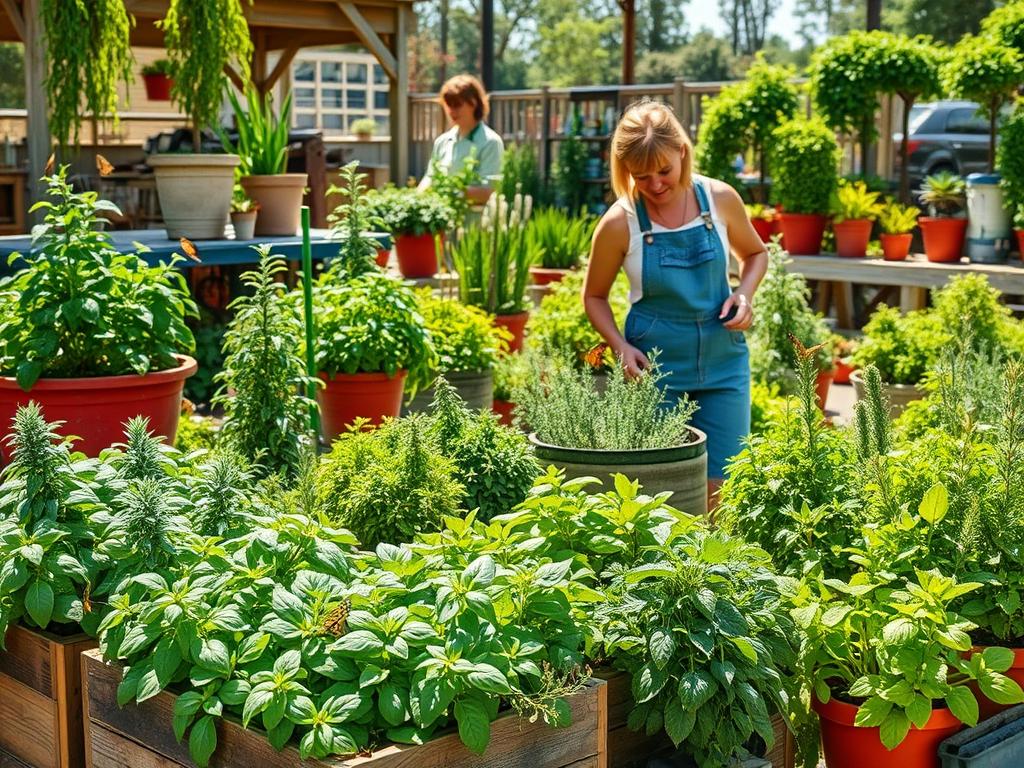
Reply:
x=195, y=193
x=682, y=470
x=280, y=201
x=899, y=395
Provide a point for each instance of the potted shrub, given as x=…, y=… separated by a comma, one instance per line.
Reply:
x=157, y=77
x=803, y=157
x=195, y=190
x=363, y=128
x=493, y=262
x=468, y=346
x=943, y=231
x=243, y=215
x=263, y=149
x=356, y=221
x=897, y=223
x=855, y=211
x=765, y=220
x=1010, y=164
x=81, y=323
x=417, y=221
x=629, y=429
x=562, y=241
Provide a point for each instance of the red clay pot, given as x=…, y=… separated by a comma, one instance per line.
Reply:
x=547, y=275
x=96, y=408
x=821, y=387
x=852, y=237
x=765, y=228
x=417, y=255
x=158, y=87
x=348, y=396
x=802, y=232
x=895, y=247
x=383, y=254
x=1020, y=242
x=943, y=238
x=516, y=325
x=842, y=373
x=986, y=707
x=504, y=410
x=847, y=746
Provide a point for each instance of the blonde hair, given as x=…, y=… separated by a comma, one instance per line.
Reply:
x=647, y=134
x=465, y=89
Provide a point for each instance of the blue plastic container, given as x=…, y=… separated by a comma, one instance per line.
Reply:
x=994, y=743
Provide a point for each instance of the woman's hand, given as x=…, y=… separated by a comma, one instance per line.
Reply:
x=744, y=316
x=633, y=361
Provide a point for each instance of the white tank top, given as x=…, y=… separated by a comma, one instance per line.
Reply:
x=633, y=263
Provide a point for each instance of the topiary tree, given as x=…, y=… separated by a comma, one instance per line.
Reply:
x=985, y=70
x=1006, y=24
x=720, y=137
x=1010, y=160
x=203, y=37
x=803, y=155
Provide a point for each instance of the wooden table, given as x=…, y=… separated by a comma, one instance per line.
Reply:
x=913, y=277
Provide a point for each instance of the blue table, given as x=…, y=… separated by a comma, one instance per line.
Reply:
x=211, y=252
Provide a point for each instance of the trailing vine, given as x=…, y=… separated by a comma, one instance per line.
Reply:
x=202, y=38
x=84, y=70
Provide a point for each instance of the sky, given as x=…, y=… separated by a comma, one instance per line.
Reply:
x=707, y=13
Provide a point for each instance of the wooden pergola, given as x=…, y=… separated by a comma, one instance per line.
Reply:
x=284, y=26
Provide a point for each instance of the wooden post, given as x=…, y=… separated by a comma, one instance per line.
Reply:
x=679, y=100
x=39, y=144
x=487, y=44
x=399, y=98
x=315, y=161
x=628, y=40
x=545, y=133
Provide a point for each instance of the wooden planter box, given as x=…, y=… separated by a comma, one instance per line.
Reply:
x=141, y=737
x=41, y=699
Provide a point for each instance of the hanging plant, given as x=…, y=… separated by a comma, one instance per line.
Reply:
x=202, y=38
x=88, y=56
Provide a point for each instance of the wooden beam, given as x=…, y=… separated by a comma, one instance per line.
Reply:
x=279, y=69
x=234, y=77
x=38, y=139
x=17, y=20
x=369, y=37
x=258, y=65
x=399, y=98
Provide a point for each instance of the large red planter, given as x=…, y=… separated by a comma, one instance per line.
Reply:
x=852, y=237
x=802, y=232
x=158, y=87
x=842, y=374
x=988, y=708
x=417, y=255
x=504, y=410
x=765, y=228
x=895, y=247
x=821, y=387
x=547, y=275
x=847, y=746
x=96, y=408
x=346, y=397
x=516, y=325
x=943, y=238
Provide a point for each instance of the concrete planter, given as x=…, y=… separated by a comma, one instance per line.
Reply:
x=681, y=470
x=280, y=199
x=195, y=193
x=475, y=387
x=899, y=395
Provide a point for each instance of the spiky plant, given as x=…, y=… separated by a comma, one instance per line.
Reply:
x=39, y=467
x=144, y=454
x=151, y=515
x=220, y=493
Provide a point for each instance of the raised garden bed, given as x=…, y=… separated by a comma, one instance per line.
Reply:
x=141, y=737
x=41, y=699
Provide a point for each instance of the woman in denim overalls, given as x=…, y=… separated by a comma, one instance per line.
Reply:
x=672, y=233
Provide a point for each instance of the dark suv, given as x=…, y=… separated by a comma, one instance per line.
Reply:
x=946, y=136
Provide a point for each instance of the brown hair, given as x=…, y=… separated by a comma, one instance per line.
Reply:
x=647, y=133
x=463, y=89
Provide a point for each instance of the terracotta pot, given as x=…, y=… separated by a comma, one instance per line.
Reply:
x=348, y=396
x=195, y=193
x=516, y=325
x=842, y=374
x=821, y=387
x=847, y=746
x=96, y=408
x=244, y=224
x=943, y=238
x=1020, y=242
x=765, y=228
x=417, y=255
x=895, y=247
x=280, y=199
x=383, y=256
x=852, y=237
x=547, y=275
x=504, y=410
x=802, y=232
x=986, y=707
x=158, y=87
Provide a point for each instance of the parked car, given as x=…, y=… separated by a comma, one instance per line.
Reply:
x=946, y=136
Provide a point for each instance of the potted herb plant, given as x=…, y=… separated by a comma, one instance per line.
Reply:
x=943, y=231
x=803, y=156
x=157, y=77
x=468, y=346
x=243, y=215
x=855, y=211
x=897, y=223
x=562, y=241
x=263, y=149
x=493, y=262
x=765, y=220
x=629, y=428
x=81, y=323
x=195, y=190
x=417, y=220
x=356, y=218
x=363, y=128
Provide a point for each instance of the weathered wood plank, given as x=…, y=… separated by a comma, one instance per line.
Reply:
x=27, y=660
x=66, y=662
x=111, y=750
x=28, y=724
x=7, y=760
x=625, y=747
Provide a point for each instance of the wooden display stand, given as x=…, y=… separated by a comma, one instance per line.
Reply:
x=12, y=201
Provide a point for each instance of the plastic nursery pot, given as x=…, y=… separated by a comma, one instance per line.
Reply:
x=802, y=232
x=547, y=275
x=348, y=396
x=852, y=237
x=847, y=746
x=96, y=408
x=417, y=255
x=842, y=372
x=516, y=325
x=244, y=224
x=158, y=87
x=895, y=247
x=383, y=254
x=986, y=707
x=765, y=228
x=821, y=387
x=943, y=237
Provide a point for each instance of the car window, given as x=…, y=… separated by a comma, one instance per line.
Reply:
x=966, y=121
x=918, y=114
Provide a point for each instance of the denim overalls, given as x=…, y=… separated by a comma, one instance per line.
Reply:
x=684, y=285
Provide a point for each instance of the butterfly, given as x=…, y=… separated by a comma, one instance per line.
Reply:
x=804, y=353
x=334, y=622
x=51, y=163
x=103, y=165
x=595, y=355
x=86, y=604
x=190, y=249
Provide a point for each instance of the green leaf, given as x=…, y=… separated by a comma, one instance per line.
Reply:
x=962, y=704
x=678, y=721
x=39, y=602
x=695, y=689
x=551, y=574
x=662, y=647
x=360, y=642
x=234, y=692
x=214, y=655
x=648, y=682
x=899, y=631
x=488, y=678
x=474, y=725
x=252, y=647
x=745, y=647
x=255, y=702
x=872, y=712
x=149, y=686
x=900, y=693
x=920, y=710
x=1000, y=689
x=894, y=729
x=202, y=740
x=998, y=659
x=391, y=704
x=934, y=505
x=185, y=708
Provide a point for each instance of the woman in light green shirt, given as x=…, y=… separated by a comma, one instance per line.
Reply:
x=464, y=99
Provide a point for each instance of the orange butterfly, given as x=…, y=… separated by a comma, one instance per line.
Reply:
x=804, y=353
x=595, y=356
x=103, y=165
x=50, y=164
x=190, y=249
